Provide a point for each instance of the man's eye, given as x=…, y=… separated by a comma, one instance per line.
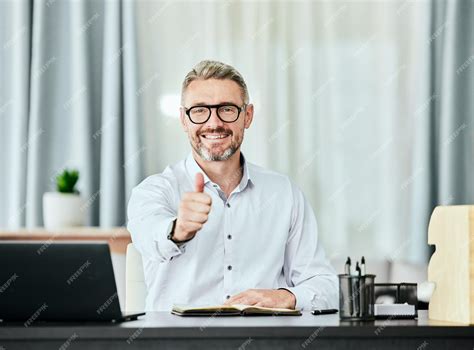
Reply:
x=198, y=110
x=228, y=109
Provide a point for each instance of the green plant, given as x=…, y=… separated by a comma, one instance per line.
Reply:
x=66, y=181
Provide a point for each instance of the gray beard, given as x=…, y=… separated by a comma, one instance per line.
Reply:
x=206, y=155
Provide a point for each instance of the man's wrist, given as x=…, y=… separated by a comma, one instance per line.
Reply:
x=172, y=238
x=291, y=296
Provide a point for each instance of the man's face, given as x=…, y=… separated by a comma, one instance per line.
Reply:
x=215, y=140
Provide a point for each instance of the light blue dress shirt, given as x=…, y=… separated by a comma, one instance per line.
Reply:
x=263, y=236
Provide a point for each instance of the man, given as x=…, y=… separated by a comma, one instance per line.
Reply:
x=215, y=228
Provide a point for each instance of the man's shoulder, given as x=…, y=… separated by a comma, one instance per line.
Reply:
x=273, y=180
x=261, y=175
x=171, y=176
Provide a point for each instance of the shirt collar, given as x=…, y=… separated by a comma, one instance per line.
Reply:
x=192, y=167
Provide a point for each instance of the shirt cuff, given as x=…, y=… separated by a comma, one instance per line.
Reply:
x=302, y=295
x=166, y=247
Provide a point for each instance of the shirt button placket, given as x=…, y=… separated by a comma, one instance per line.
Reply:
x=228, y=266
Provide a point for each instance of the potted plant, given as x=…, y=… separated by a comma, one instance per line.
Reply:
x=63, y=208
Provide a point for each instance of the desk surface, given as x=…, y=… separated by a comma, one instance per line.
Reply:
x=164, y=326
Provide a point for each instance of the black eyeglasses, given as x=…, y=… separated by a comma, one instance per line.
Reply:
x=228, y=113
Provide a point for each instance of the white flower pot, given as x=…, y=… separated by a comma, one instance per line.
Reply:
x=62, y=210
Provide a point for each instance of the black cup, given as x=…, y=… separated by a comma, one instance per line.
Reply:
x=356, y=297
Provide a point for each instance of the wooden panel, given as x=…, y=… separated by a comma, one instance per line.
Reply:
x=117, y=237
x=451, y=267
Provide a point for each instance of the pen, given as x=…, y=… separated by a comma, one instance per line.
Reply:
x=324, y=312
x=364, y=306
x=362, y=265
x=347, y=267
x=357, y=291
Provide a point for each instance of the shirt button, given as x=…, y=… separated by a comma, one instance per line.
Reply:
x=229, y=267
x=228, y=205
x=229, y=236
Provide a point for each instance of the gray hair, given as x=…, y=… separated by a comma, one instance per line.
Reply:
x=215, y=70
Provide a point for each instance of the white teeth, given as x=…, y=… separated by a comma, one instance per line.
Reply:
x=215, y=137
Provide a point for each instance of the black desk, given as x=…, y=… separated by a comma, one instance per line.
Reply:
x=162, y=330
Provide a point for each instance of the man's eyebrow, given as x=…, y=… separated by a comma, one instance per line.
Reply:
x=220, y=103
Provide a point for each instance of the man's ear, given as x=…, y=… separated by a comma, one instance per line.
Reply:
x=182, y=118
x=248, y=116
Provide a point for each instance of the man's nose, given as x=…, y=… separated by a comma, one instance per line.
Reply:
x=214, y=119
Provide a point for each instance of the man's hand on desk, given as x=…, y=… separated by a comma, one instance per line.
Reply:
x=193, y=211
x=280, y=298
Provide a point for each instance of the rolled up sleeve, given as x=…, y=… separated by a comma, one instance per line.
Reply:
x=151, y=211
x=308, y=273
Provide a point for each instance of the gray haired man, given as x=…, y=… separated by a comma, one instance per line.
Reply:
x=215, y=228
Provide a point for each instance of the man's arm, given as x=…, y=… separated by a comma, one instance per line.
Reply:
x=308, y=272
x=150, y=219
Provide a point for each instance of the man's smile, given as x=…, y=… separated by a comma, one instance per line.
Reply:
x=215, y=137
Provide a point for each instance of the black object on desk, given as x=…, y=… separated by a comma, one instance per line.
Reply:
x=58, y=281
x=400, y=292
x=397, y=293
x=324, y=312
x=356, y=297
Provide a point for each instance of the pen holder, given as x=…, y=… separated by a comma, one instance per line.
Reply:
x=356, y=297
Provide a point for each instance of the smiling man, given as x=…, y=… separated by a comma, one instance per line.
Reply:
x=214, y=228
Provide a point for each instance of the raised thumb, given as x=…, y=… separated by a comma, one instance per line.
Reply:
x=199, y=183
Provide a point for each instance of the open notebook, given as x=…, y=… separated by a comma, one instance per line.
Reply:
x=231, y=310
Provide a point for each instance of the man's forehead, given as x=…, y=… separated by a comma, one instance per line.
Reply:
x=213, y=91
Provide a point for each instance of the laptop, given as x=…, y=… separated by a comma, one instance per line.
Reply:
x=58, y=281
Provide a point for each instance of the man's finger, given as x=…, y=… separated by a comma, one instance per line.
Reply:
x=192, y=226
x=232, y=300
x=199, y=183
x=243, y=298
x=200, y=218
x=199, y=197
x=247, y=301
x=198, y=207
x=236, y=297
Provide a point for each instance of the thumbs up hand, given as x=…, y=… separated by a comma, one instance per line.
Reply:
x=193, y=211
x=199, y=183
